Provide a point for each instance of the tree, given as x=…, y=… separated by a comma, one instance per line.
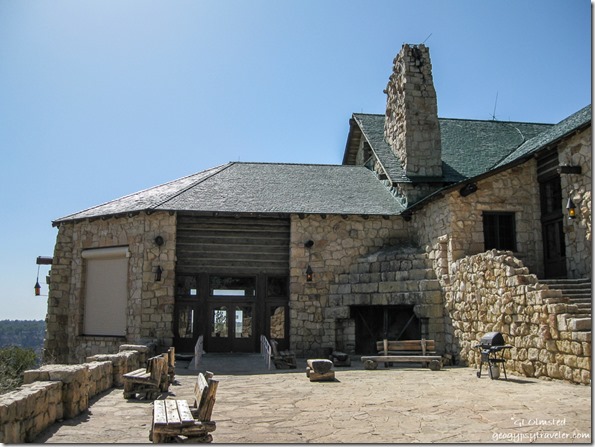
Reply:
x=13, y=362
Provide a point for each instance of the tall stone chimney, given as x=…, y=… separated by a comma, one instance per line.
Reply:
x=411, y=126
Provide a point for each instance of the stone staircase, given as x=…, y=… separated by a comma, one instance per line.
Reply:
x=578, y=292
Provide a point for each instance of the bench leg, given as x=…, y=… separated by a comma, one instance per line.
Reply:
x=128, y=390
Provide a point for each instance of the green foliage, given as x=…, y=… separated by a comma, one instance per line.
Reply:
x=23, y=333
x=13, y=362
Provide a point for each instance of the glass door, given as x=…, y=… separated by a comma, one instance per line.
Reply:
x=231, y=314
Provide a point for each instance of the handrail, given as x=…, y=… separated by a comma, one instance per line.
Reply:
x=265, y=350
x=198, y=351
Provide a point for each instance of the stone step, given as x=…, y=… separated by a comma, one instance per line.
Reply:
x=578, y=292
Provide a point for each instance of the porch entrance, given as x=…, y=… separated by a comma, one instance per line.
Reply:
x=232, y=282
x=231, y=312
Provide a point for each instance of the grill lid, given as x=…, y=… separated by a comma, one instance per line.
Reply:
x=492, y=339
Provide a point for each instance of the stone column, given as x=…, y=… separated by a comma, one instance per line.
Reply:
x=411, y=127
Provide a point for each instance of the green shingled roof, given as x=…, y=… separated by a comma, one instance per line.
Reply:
x=262, y=188
x=469, y=147
x=565, y=127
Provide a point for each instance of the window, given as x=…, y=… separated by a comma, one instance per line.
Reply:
x=231, y=286
x=106, y=291
x=499, y=231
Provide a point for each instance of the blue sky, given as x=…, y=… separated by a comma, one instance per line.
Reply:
x=100, y=98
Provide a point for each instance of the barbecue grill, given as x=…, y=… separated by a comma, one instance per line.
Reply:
x=492, y=348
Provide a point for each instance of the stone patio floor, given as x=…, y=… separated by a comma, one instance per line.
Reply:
x=405, y=404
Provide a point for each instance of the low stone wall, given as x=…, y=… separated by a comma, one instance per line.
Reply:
x=55, y=392
x=122, y=362
x=493, y=291
x=28, y=411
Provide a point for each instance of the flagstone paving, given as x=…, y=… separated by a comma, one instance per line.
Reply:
x=396, y=405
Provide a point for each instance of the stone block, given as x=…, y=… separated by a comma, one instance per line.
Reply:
x=579, y=324
x=35, y=375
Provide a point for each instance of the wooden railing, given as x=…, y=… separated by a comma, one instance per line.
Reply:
x=266, y=350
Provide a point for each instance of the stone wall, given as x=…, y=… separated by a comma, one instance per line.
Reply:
x=338, y=243
x=494, y=291
x=484, y=293
x=54, y=392
x=28, y=411
x=458, y=222
x=576, y=151
x=150, y=303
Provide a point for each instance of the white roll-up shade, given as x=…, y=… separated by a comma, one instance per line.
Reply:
x=106, y=253
x=106, y=291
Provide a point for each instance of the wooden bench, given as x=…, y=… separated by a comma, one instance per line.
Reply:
x=407, y=351
x=283, y=359
x=149, y=382
x=175, y=421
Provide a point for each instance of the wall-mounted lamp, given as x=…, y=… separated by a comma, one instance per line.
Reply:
x=571, y=208
x=309, y=273
x=158, y=273
x=468, y=189
x=159, y=241
x=41, y=260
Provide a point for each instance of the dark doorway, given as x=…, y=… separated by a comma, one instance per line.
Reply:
x=554, y=248
x=230, y=312
x=374, y=323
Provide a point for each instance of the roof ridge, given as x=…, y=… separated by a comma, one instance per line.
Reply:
x=288, y=163
x=496, y=121
x=469, y=119
x=217, y=169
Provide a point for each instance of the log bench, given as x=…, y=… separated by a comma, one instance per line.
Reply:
x=340, y=358
x=320, y=370
x=405, y=351
x=149, y=382
x=175, y=421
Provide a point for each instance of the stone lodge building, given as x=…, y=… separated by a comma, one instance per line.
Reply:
x=431, y=227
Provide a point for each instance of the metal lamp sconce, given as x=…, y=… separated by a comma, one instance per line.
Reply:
x=37, y=286
x=571, y=208
x=158, y=272
x=309, y=273
x=41, y=260
x=570, y=169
